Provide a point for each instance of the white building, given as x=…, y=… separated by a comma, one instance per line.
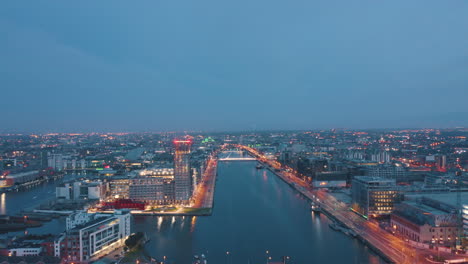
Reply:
x=81, y=190
x=61, y=162
x=76, y=219
x=98, y=236
x=27, y=251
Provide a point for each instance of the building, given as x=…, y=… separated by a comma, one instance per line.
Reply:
x=153, y=187
x=8, y=180
x=380, y=157
x=94, y=238
x=182, y=171
x=373, y=196
x=399, y=173
x=330, y=179
x=28, y=245
x=76, y=219
x=64, y=162
x=119, y=187
x=425, y=220
x=81, y=190
x=23, y=251
x=448, y=202
x=152, y=190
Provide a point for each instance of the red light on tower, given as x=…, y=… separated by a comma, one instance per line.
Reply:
x=182, y=144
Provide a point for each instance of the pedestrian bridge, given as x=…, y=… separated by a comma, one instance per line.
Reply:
x=234, y=155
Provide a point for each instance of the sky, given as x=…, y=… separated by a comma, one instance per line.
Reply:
x=214, y=65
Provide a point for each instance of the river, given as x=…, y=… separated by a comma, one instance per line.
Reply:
x=254, y=212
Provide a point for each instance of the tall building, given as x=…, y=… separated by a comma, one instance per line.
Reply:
x=182, y=171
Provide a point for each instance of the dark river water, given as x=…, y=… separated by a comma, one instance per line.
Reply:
x=254, y=212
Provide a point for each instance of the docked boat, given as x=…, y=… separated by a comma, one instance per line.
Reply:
x=259, y=167
x=316, y=208
x=199, y=259
x=334, y=226
x=337, y=227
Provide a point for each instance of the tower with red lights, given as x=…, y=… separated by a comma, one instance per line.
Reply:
x=182, y=172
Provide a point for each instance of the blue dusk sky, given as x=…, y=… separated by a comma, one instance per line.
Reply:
x=77, y=66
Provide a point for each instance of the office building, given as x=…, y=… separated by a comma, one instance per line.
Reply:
x=152, y=190
x=373, y=196
x=182, y=171
x=388, y=171
x=99, y=236
x=119, y=187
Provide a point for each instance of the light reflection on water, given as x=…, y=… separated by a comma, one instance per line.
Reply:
x=2, y=203
x=254, y=211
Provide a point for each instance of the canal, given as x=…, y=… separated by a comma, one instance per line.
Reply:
x=254, y=212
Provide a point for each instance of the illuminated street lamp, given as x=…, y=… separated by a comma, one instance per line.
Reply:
x=268, y=258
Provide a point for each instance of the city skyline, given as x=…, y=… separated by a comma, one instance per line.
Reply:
x=266, y=131
x=400, y=192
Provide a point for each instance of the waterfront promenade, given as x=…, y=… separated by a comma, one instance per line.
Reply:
x=204, y=194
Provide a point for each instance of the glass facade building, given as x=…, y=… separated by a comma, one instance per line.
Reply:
x=373, y=196
x=182, y=171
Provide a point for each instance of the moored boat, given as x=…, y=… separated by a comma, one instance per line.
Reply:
x=199, y=259
x=316, y=208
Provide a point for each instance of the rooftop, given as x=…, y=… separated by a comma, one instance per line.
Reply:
x=371, y=179
x=93, y=222
x=449, y=198
x=425, y=208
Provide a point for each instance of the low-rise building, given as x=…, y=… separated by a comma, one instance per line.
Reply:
x=33, y=250
x=425, y=221
x=330, y=179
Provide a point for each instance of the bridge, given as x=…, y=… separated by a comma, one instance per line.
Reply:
x=235, y=155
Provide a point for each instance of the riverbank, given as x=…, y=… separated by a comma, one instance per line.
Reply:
x=389, y=247
x=203, y=201
x=187, y=211
x=30, y=184
x=331, y=213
